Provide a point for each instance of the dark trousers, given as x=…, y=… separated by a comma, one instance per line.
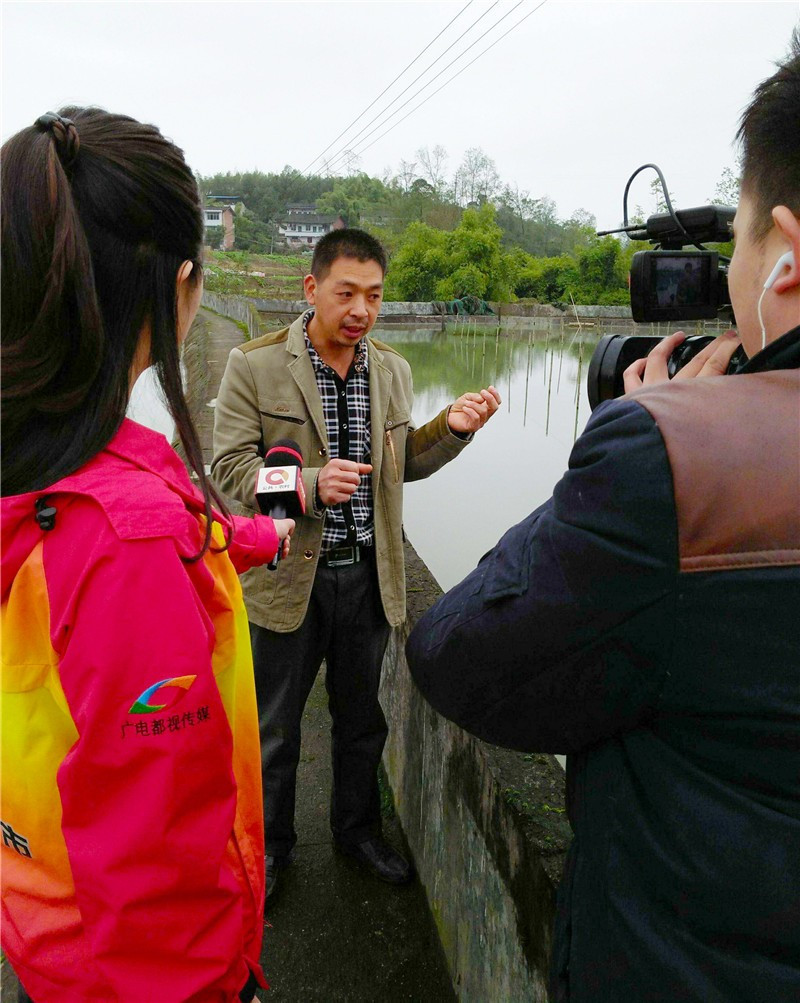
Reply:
x=346, y=626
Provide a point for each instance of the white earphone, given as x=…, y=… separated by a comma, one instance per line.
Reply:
x=784, y=259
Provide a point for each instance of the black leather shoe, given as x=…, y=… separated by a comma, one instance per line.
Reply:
x=272, y=866
x=384, y=861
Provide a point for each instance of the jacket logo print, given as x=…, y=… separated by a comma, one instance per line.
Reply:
x=180, y=684
x=15, y=841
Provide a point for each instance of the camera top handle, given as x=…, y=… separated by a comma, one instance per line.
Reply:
x=668, y=202
x=673, y=230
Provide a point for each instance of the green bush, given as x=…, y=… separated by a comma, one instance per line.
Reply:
x=433, y=264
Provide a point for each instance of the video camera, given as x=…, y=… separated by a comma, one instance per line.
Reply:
x=667, y=284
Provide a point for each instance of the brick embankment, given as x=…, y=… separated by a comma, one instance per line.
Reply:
x=204, y=358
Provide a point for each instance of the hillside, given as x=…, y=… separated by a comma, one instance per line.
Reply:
x=269, y=276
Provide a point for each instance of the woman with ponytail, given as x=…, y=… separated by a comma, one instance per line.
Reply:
x=132, y=852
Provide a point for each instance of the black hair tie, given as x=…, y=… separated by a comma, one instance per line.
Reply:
x=48, y=120
x=65, y=135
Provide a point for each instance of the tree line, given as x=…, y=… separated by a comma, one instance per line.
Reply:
x=451, y=235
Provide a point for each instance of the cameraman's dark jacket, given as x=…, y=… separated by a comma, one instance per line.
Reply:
x=645, y=620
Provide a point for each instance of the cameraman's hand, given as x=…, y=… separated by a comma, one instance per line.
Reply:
x=712, y=361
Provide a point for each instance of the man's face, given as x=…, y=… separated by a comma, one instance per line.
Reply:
x=346, y=301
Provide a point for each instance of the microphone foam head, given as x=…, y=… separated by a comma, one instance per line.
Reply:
x=284, y=453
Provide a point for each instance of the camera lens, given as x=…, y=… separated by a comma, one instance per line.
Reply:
x=686, y=352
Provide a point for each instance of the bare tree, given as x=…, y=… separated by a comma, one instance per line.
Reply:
x=407, y=174
x=583, y=218
x=519, y=202
x=351, y=163
x=727, y=190
x=432, y=166
x=476, y=179
x=658, y=194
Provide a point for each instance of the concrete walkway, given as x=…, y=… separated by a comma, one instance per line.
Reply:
x=335, y=933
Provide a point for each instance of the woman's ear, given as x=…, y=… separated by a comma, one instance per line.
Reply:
x=184, y=272
x=187, y=297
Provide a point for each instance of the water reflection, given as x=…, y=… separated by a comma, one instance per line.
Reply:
x=514, y=463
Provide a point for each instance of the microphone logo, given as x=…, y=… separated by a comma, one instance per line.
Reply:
x=277, y=475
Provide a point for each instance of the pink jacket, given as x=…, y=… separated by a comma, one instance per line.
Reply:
x=132, y=855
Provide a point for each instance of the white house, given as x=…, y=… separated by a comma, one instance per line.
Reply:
x=219, y=211
x=303, y=226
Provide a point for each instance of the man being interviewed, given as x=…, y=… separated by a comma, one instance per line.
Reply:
x=346, y=400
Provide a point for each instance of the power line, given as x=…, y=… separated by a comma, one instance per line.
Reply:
x=385, y=89
x=338, y=156
x=458, y=74
x=441, y=55
x=342, y=153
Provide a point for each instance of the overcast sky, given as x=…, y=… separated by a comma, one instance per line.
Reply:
x=568, y=104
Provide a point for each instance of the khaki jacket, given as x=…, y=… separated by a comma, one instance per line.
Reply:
x=269, y=392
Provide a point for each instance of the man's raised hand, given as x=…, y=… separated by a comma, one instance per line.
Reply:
x=472, y=410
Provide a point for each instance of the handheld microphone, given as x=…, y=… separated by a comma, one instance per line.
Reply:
x=280, y=492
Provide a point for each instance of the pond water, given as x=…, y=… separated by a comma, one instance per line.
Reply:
x=459, y=513
x=513, y=464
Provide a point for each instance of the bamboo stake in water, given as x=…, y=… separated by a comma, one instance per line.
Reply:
x=496, y=349
x=578, y=387
x=546, y=345
x=527, y=380
x=509, y=362
x=549, y=389
x=474, y=344
x=483, y=353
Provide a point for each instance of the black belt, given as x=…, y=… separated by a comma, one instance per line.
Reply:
x=341, y=557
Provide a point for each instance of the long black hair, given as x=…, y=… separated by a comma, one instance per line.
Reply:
x=99, y=213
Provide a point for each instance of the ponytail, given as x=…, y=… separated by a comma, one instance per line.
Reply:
x=52, y=328
x=100, y=211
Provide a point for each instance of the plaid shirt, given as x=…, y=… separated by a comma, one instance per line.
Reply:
x=345, y=404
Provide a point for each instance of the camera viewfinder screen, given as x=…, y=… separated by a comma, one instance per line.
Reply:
x=679, y=280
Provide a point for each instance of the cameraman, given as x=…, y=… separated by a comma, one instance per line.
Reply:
x=644, y=621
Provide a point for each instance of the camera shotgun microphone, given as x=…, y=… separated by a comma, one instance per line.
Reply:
x=280, y=492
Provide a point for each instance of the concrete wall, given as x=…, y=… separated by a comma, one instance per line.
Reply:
x=296, y=307
x=486, y=828
x=237, y=308
x=277, y=312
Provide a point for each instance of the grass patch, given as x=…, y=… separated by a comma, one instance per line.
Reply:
x=387, y=800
